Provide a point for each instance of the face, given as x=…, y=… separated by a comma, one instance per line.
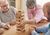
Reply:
x=31, y=7
x=4, y=7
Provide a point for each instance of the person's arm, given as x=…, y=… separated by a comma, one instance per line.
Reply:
x=40, y=18
x=13, y=21
x=4, y=25
x=29, y=14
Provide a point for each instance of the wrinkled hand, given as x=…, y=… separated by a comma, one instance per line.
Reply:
x=6, y=26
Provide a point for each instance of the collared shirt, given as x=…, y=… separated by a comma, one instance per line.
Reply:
x=8, y=16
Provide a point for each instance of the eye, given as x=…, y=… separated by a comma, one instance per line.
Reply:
x=4, y=5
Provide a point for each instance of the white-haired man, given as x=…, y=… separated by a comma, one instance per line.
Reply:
x=7, y=15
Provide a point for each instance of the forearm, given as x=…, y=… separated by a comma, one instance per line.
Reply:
x=42, y=22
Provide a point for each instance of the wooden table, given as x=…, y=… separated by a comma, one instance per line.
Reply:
x=13, y=31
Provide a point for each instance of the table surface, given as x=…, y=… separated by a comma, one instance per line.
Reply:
x=13, y=31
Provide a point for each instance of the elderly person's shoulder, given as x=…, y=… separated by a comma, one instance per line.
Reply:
x=13, y=9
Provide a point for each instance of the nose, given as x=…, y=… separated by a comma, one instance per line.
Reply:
x=5, y=7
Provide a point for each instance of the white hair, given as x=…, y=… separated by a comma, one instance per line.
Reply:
x=2, y=1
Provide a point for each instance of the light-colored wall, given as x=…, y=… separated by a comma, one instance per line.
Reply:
x=24, y=8
x=42, y=2
x=21, y=5
x=18, y=4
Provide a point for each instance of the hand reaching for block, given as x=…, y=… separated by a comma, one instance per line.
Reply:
x=6, y=26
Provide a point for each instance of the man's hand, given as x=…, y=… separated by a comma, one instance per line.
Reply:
x=6, y=26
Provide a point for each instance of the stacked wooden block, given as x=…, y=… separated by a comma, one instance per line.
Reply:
x=20, y=21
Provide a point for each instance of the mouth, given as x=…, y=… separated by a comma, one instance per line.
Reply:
x=6, y=10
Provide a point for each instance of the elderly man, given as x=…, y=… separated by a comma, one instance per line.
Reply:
x=35, y=15
x=7, y=15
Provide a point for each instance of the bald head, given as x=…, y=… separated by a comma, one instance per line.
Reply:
x=4, y=5
x=3, y=1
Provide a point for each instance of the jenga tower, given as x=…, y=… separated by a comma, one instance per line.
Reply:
x=20, y=21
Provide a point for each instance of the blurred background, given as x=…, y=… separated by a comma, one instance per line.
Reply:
x=21, y=5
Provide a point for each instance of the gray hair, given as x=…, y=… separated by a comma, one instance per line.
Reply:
x=30, y=3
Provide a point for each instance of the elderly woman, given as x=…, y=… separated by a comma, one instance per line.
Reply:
x=7, y=15
x=36, y=15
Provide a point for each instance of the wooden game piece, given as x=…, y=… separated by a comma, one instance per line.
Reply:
x=20, y=21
